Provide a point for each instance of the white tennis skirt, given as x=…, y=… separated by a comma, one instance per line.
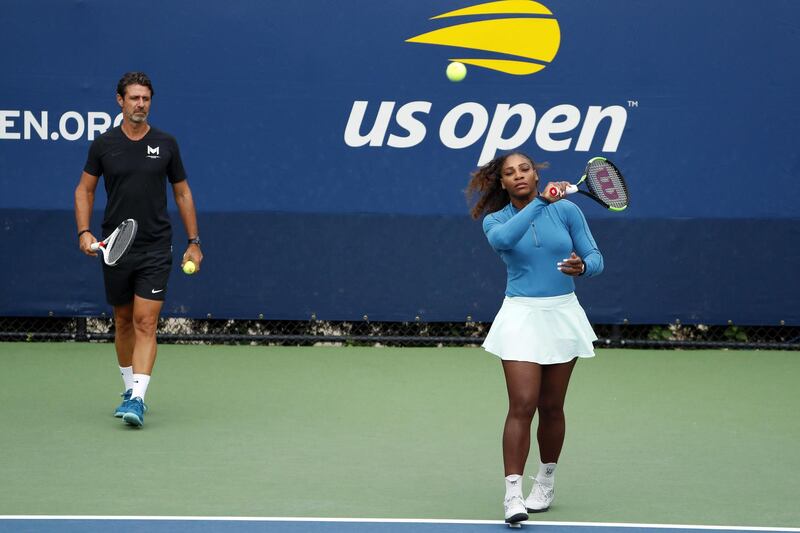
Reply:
x=546, y=330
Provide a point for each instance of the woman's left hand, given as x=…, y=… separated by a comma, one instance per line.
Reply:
x=193, y=254
x=572, y=266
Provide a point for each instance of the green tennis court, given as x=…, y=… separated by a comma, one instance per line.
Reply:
x=678, y=437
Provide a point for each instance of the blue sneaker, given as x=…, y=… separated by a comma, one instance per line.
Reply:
x=123, y=407
x=135, y=412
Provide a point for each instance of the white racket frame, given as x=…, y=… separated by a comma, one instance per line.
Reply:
x=104, y=245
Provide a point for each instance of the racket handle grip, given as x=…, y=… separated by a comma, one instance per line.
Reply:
x=95, y=246
x=571, y=189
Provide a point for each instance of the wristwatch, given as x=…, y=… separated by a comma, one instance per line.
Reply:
x=196, y=241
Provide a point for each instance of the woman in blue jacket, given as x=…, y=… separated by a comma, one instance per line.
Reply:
x=541, y=329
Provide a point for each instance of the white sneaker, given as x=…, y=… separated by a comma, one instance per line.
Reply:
x=540, y=498
x=515, y=510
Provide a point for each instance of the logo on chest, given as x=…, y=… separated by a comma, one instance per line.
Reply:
x=152, y=153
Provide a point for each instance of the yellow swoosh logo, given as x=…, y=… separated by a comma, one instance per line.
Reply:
x=533, y=40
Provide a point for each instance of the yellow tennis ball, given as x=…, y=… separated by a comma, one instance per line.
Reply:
x=456, y=71
x=189, y=268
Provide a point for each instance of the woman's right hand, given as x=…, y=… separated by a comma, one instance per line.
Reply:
x=559, y=186
x=85, y=242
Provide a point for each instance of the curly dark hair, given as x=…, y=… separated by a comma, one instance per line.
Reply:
x=134, y=78
x=485, y=184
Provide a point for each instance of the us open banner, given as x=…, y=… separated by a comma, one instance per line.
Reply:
x=328, y=152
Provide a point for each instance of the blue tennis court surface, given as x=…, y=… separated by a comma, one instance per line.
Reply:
x=59, y=524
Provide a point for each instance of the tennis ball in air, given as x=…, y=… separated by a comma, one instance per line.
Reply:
x=189, y=268
x=456, y=71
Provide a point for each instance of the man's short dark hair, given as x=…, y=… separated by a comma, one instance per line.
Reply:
x=134, y=78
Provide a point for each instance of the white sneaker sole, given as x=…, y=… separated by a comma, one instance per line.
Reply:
x=515, y=519
x=537, y=510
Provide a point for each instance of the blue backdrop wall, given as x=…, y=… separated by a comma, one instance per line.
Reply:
x=328, y=156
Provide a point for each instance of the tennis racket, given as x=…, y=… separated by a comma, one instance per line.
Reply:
x=604, y=182
x=116, y=245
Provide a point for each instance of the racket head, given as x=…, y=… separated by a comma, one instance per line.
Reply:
x=605, y=182
x=119, y=242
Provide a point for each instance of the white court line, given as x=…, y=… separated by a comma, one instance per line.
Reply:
x=391, y=521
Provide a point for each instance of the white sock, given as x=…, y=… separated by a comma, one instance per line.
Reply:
x=513, y=486
x=127, y=376
x=547, y=474
x=140, y=383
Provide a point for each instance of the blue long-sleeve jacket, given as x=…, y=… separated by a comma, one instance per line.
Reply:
x=531, y=241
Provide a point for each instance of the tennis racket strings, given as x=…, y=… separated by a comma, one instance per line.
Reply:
x=605, y=181
x=121, y=242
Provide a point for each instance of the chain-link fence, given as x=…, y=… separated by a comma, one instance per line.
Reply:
x=365, y=332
